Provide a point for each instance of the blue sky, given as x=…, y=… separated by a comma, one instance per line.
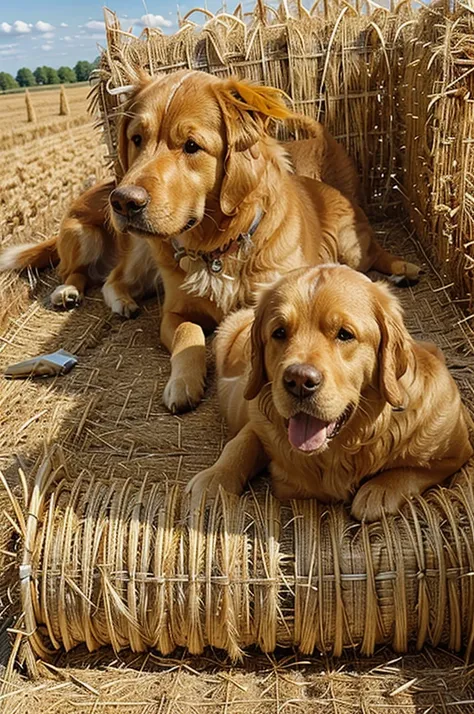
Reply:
x=57, y=33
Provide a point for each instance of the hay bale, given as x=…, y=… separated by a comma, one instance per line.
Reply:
x=124, y=565
x=30, y=110
x=337, y=68
x=436, y=128
x=63, y=103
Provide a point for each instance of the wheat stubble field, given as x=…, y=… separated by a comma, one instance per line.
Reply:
x=43, y=164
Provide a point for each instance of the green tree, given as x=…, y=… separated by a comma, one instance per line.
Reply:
x=66, y=74
x=41, y=75
x=83, y=70
x=25, y=77
x=52, y=76
x=7, y=81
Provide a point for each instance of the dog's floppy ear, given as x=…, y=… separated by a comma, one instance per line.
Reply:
x=246, y=109
x=258, y=375
x=395, y=346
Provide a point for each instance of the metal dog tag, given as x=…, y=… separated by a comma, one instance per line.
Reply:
x=215, y=266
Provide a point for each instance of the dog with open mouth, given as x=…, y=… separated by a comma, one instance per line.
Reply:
x=324, y=385
x=207, y=200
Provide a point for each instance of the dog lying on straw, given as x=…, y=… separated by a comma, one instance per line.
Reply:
x=207, y=197
x=334, y=394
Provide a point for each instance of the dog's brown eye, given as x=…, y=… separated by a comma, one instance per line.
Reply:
x=279, y=333
x=136, y=139
x=344, y=335
x=191, y=147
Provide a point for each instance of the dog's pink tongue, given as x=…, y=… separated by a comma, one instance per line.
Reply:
x=306, y=433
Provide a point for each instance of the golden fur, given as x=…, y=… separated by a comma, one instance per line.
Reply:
x=323, y=159
x=402, y=426
x=205, y=200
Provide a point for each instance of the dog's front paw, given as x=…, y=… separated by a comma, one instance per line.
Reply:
x=66, y=297
x=206, y=484
x=375, y=498
x=120, y=304
x=182, y=394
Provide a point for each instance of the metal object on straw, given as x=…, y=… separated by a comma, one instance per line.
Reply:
x=50, y=365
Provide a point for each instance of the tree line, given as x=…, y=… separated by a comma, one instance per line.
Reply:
x=47, y=75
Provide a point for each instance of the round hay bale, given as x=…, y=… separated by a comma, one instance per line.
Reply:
x=127, y=566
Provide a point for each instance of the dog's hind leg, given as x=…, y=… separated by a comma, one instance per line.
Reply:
x=358, y=248
x=80, y=248
x=388, y=264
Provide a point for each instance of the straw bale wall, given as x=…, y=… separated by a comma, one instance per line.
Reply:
x=436, y=119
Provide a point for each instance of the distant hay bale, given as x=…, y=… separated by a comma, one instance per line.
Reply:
x=30, y=110
x=63, y=103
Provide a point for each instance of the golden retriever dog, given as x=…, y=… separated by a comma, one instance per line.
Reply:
x=335, y=397
x=208, y=198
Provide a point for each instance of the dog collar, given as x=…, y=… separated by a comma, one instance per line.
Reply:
x=214, y=259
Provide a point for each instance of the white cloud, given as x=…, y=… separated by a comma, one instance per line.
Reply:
x=95, y=25
x=46, y=48
x=9, y=51
x=68, y=38
x=128, y=21
x=44, y=26
x=48, y=35
x=95, y=36
x=63, y=24
x=150, y=20
x=18, y=28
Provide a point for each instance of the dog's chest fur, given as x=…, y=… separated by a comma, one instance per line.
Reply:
x=226, y=289
x=234, y=287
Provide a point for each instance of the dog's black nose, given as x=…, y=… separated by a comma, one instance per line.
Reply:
x=129, y=201
x=302, y=380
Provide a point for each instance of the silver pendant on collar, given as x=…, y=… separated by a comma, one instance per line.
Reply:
x=216, y=266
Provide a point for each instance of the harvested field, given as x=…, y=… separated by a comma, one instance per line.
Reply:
x=14, y=127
